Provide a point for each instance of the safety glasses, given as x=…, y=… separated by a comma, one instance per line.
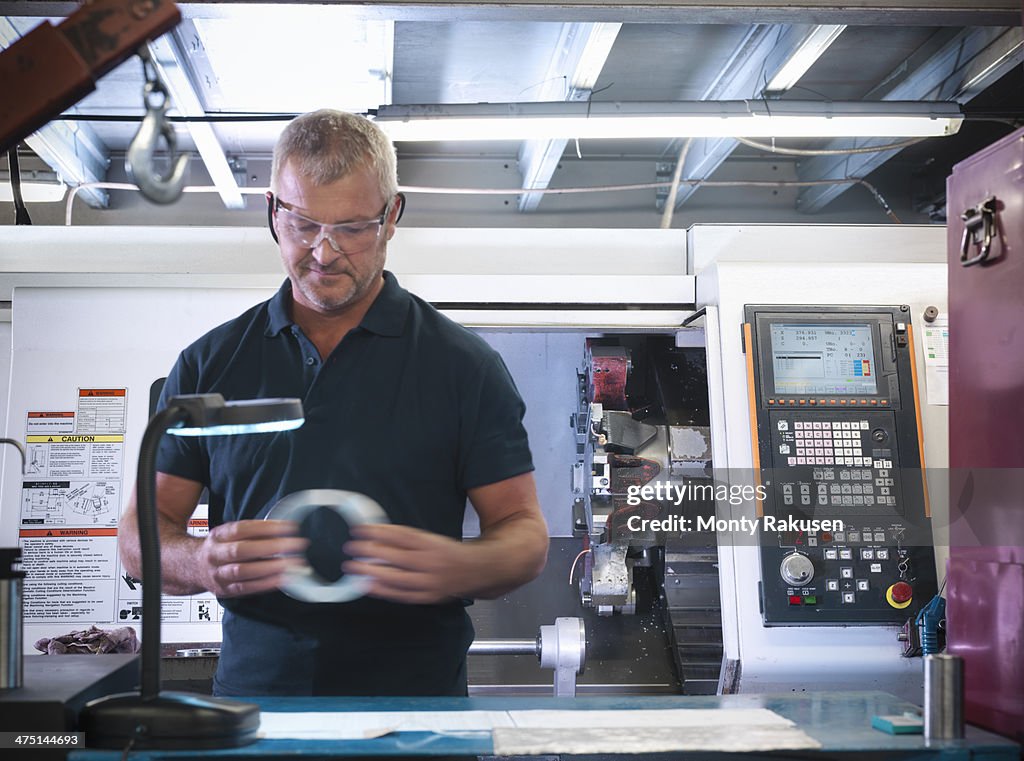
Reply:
x=345, y=237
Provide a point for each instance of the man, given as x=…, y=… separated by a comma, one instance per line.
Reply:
x=401, y=404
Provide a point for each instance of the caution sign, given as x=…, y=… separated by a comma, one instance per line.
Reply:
x=82, y=456
x=70, y=506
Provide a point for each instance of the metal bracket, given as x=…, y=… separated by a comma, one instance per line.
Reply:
x=979, y=222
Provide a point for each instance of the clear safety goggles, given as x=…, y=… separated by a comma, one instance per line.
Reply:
x=345, y=237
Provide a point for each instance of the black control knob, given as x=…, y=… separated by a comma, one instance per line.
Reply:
x=879, y=436
x=796, y=569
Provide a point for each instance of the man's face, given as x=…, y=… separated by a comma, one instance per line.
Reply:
x=324, y=279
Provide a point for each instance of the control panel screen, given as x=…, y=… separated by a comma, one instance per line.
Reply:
x=810, y=358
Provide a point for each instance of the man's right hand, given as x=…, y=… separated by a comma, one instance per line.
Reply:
x=250, y=556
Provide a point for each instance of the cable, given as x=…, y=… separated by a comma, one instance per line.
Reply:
x=21, y=216
x=516, y=191
x=131, y=186
x=772, y=148
x=572, y=570
x=677, y=174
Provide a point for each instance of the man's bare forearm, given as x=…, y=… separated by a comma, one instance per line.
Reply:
x=179, y=554
x=506, y=556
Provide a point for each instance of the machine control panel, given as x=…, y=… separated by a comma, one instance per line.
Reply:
x=837, y=448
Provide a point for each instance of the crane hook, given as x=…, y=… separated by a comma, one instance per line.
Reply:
x=158, y=188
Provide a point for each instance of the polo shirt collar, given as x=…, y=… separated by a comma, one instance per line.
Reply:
x=386, y=315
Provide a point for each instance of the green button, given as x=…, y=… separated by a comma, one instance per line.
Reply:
x=812, y=600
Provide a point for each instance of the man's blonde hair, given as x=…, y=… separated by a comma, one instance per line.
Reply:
x=327, y=145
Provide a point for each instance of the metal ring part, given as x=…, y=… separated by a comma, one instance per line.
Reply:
x=355, y=509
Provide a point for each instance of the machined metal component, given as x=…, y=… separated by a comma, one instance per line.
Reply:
x=610, y=577
x=302, y=583
x=563, y=647
x=690, y=450
x=943, y=697
x=505, y=647
x=626, y=434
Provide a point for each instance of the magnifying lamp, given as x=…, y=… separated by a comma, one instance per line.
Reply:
x=151, y=718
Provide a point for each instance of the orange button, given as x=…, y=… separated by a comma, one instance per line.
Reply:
x=803, y=401
x=813, y=401
x=842, y=401
x=822, y=401
x=831, y=401
x=874, y=402
x=885, y=401
x=863, y=401
x=771, y=401
x=792, y=402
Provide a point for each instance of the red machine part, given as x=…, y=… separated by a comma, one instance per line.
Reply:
x=608, y=368
x=628, y=470
x=52, y=68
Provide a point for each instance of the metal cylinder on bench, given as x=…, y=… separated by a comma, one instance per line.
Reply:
x=943, y=697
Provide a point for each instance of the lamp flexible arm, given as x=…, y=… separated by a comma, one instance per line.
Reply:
x=149, y=543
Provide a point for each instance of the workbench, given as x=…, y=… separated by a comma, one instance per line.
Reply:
x=841, y=722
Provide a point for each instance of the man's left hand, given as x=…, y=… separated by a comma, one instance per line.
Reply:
x=407, y=564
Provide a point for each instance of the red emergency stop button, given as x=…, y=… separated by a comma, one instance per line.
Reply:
x=899, y=595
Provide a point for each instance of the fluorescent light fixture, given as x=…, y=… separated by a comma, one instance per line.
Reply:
x=743, y=118
x=35, y=192
x=170, y=64
x=809, y=51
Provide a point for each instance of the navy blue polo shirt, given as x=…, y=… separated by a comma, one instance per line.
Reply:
x=411, y=409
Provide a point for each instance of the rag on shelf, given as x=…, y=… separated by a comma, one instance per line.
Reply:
x=91, y=641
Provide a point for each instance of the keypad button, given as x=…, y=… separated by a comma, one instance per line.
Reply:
x=849, y=598
x=831, y=554
x=876, y=568
x=832, y=585
x=862, y=585
x=882, y=554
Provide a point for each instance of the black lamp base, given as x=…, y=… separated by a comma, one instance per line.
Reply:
x=171, y=720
